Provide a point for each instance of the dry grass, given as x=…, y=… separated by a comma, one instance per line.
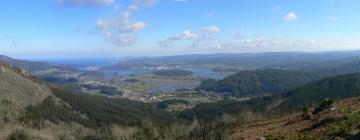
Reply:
x=123, y=133
x=292, y=126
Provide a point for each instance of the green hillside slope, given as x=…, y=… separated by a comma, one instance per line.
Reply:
x=258, y=82
x=339, y=87
x=32, y=109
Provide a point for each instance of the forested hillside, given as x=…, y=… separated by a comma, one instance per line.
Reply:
x=258, y=82
x=270, y=81
x=336, y=88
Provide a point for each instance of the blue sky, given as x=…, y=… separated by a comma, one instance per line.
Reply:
x=118, y=28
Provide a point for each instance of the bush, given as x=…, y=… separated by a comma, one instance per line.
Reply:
x=346, y=125
x=274, y=137
x=323, y=106
x=306, y=113
x=18, y=135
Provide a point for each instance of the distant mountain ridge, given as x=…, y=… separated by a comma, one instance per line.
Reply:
x=28, y=65
x=250, y=60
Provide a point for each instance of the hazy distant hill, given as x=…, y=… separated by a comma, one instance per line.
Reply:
x=28, y=65
x=337, y=67
x=247, y=60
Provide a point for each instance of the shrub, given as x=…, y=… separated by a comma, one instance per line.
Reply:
x=18, y=135
x=274, y=137
x=324, y=105
x=306, y=113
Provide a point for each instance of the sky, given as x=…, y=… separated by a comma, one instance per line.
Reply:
x=119, y=28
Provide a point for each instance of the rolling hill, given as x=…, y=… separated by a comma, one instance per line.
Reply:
x=270, y=81
x=258, y=82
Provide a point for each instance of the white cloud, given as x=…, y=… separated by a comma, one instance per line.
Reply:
x=137, y=4
x=120, y=24
x=290, y=17
x=120, y=30
x=186, y=35
x=212, y=29
x=205, y=37
x=85, y=2
x=197, y=40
